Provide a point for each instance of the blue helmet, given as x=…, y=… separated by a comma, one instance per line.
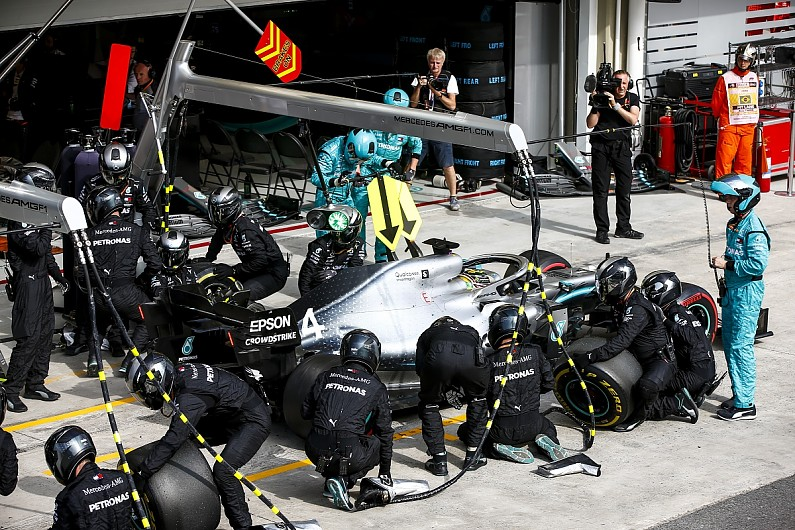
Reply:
x=396, y=96
x=741, y=186
x=360, y=145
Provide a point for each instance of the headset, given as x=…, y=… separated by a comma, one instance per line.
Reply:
x=631, y=83
x=152, y=73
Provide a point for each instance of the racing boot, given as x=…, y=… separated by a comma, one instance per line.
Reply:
x=477, y=460
x=14, y=404
x=708, y=389
x=519, y=455
x=686, y=406
x=41, y=393
x=554, y=450
x=125, y=364
x=437, y=465
x=633, y=422
x=339, y=494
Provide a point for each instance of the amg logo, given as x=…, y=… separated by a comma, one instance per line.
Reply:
x=36, y=207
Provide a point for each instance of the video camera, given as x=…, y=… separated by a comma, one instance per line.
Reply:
x=602, y=82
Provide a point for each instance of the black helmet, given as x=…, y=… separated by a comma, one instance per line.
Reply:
x=223, y=206
x=615, y=277
x=65, y=449
x=351, y=232
x=101, y=202
x=37, y=175
x=115, y=163
x=173, y=248
x=143, y=388
x=3, y=402
x=502, y=323
x=363, y=347
x=661, y=287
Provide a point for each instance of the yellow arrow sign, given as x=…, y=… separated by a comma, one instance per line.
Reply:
x=409, y=213
x=384, y=196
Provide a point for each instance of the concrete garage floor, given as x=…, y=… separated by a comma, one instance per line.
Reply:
x=658, y=474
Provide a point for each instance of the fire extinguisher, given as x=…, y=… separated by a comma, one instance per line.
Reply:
x=666, y=154
x=762, y=173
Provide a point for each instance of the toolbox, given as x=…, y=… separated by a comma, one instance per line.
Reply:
x=692, y=81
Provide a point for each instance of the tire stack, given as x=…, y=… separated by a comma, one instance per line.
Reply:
x=412, y=47
x=476, y=53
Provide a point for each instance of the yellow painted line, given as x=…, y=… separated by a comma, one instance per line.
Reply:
x=67, y=415
x=302, y=463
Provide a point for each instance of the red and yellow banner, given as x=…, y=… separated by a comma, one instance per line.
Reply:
x=280, y=53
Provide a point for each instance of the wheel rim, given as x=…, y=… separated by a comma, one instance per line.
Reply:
x=576, y=399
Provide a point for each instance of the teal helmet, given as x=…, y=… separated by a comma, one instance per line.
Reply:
x=741, y=186
x=360, y=145
x=396, y=96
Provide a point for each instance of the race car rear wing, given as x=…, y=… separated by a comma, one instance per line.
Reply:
x=457, y=128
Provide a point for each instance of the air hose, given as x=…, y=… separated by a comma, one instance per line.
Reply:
x=684, y=133
x=86, y=258
x=533, y=272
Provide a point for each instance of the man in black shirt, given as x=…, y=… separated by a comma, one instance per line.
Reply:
x=640, y=330
x=214, y=401
x=93, y=498
x=262, y=268
x=351, y=419
x=449, y=357
x=611, y=149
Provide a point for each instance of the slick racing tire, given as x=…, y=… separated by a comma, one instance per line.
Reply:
x=182, y=495
x=702, y=305
x=298, y=386
x=609, y=384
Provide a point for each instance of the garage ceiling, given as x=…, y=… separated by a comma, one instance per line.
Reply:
x=24, y=14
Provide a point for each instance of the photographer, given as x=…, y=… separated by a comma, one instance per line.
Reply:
x=437, y=91
x=613, y=108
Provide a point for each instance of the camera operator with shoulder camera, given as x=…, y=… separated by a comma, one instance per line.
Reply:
x=614, y=109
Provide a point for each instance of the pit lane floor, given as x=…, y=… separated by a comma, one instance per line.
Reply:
x=655, y=475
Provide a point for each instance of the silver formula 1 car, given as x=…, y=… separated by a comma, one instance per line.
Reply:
x=397, y=301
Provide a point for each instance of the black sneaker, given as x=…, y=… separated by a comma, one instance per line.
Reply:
x=602, y=238
x=686, y=406
x=629, y=234
x=632, y=423
x=437, y=467
x=41, y=393
x=15, y=404
x=476, y=463
x=728, y=404
x=125, y=364
x=737, y=413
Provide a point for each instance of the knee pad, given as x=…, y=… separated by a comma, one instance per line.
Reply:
x=647, y=389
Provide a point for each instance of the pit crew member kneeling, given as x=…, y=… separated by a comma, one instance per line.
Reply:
x=262, y=268
x=518, y=421
x=93, y=498
x=345, y=404
x=222, y=407
x=695, y=361
x=641, y=331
